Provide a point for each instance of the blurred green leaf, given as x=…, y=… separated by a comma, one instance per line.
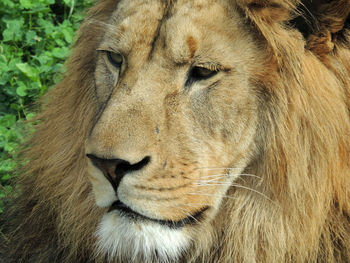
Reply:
x=31, y=37
x=7, y=120
x=22, y=91
x=14, y=29
x=27, y=4
x=29, y=71
x=7, y=166
x=60, y=52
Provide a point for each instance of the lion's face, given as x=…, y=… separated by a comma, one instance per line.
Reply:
x=176, y=126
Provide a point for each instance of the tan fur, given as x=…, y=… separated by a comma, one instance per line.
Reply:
x=274, y=121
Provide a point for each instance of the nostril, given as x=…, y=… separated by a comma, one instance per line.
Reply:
x=125, y=167
x=115, y=169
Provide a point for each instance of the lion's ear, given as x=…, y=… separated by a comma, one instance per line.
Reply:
x=321, y=22
x=316, y=14
x=330, y=15
x=324, y=24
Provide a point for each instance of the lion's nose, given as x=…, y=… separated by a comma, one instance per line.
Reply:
x=115, y=169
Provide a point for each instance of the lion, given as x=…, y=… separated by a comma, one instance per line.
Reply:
x=192, y=131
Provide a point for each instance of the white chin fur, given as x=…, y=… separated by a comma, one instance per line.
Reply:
x=128, y=241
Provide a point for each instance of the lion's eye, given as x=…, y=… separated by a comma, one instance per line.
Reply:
x=115, y=59
x=200, y=73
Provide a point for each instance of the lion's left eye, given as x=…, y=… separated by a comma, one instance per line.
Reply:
x=115, y=59
x=199, y=73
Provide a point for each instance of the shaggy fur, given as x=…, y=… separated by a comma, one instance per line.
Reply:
x=277, y=124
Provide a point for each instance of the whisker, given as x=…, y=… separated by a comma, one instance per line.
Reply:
x=197, y=205
x=219, y=168
x=241, y=178
x=208, y=181
x=214, y=175
x=185, y=212
x=212, y=184
x=222, y=175
x=214, y=195
x=253, y=190
x=249, y=175
x=239, y=186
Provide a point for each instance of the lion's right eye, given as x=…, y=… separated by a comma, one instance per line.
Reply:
x=115, y=59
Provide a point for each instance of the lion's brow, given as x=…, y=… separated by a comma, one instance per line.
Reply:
x=168, y=4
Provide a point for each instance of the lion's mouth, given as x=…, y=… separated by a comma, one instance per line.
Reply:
x=128, y=212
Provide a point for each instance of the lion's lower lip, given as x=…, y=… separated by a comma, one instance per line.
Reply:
x=127, y=211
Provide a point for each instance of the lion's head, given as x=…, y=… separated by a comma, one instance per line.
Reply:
x=177, y=126
x=195, y=131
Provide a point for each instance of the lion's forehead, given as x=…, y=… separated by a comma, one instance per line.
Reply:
x=179, y=28
x=133, y=25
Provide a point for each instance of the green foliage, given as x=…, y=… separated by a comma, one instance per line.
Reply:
x=35, y=36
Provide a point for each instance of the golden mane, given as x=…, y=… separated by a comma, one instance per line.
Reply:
x=304, y=154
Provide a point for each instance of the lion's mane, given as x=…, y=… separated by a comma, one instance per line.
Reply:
x=304, y=154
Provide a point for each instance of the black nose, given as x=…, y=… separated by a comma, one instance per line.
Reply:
x=115, y=169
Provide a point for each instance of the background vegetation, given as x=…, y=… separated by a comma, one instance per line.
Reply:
x=35, y=36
